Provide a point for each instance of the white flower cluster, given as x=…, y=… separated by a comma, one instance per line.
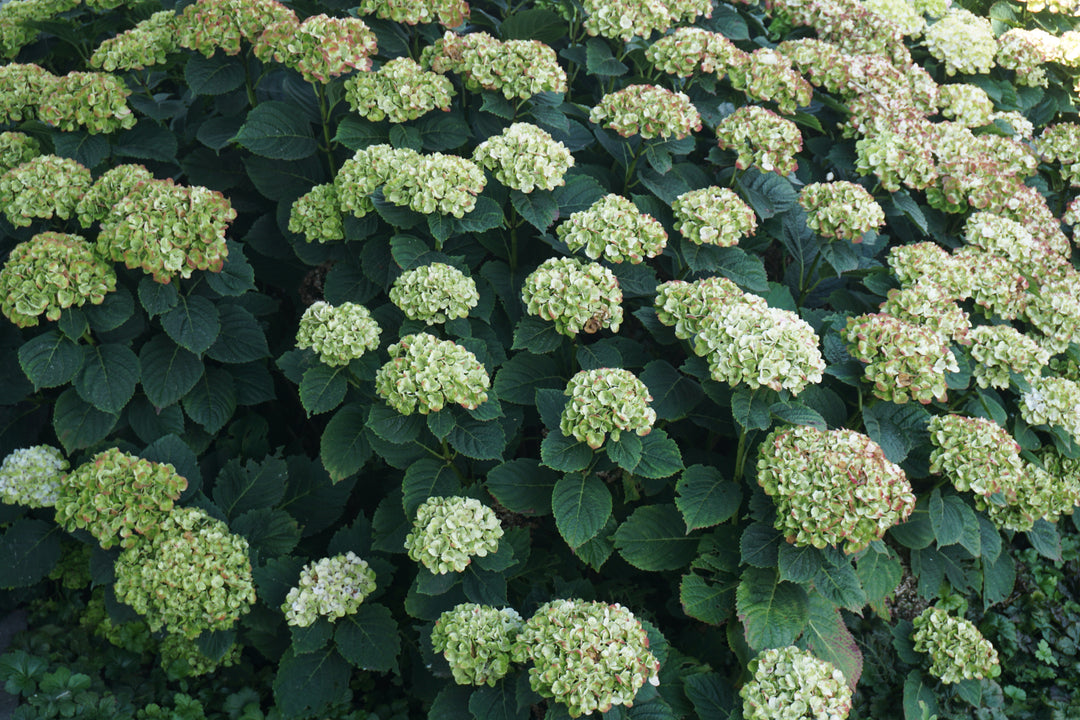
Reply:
x=449, y=531
x=768, y=76
x=606, y=400
x=792, y=684
x=623, y=19
x=525, y=158
x=434, y=293
x=589, y=656
x=338, y=334
x=957, y=649
x=1021, y=51
x=32, y=476
x=903, y=13
x=713, y=216
x=108, y=190
x=841, y=210
x=647, y=110
x=316, y=215
x=1061, y=143
x=967, y=104
x=999, y=349
x=688, y=49
x=425, y=373
x=929, y=306
x=516, y=68
x=614, y=229
x=896, y=159
x=683, y=305
x=476, y=641
x=332, y=587
x=401, y=90
x=575, y=295
x=448, y=13
x=1052, y=401
x=1009, y=239
x=964, y=41
x=320, y=48
x=928, y=262
x=832, y=487
x=1055, y=311
x=91, y=101
x=761, y=138
x=993, y=282
x=903, y=361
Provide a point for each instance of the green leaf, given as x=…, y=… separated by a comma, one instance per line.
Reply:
x=147, y=141
x=600, y=61
x=522, y=486
x=626, y=451
x=660, y=456
x=241, y=339
x=989, y=539
x=284, y=180
x=168, y=371
x=452, y=703
x=278, y=131
x=712, y=697
x=425, y=479
x=323, y=388
x=497, y=703
x=674, y=394
x=78, y=424
x=269, y=531
x=653, y=538
x=253, y=485
x=369, y=638
x=751, y=409
x=212, y=401
x=217, y=132
x=357, y=133
x=839, y=584
x=274, y=578
x=798, y=564
x=193, y=324
x=946, y=518
x=487, y=215
x=767, y=193
x=171, y=449
x=440, y=132
x=1044, y=537
x=550, y=403
x=390, y=425
x=538, y=207
x=879, y=574
x=601, y=355
x=760, y=544
x=705, y=497
x=31, y=549
x=440, y=424
x=581, y=504
x=310, y=685
x=343, y=447
x=773, y=613
x=477, y=439
x=564, y=454
x=519, y=378
x=534, y=24
x=312, y=497
x=829, y=639
x=50, y=360
x=579, y=193
x=999, y=577
x=311, y=638
x=236, y=276
x=709, y=602
x=898, y=429
x=920, y=702
x=116, y=310
x=82, y=147
x=536, y=336
x=797, y=414
x=483, y=587
x=595, y=552
x=917, y=532
x=215, y=75
x=157, y=298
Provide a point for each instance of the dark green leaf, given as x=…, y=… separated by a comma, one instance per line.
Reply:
x=147, y=141
x=564, y=454
x=212, y=401
x=751, y=409
x=31, y=549
x=497, y=703
x=236, y=276
x=1044, y=537
x=709, y=602
x=253, y=485
x=626, y=451
x=480, y=440
x=712, y=696
x=917, y=532
x=82, y=147
x=483, y=587
x=654, y=538
x=116, y=310
x=920, y=702
x=879, y=574
x=77, y=423
x=452, y=703
x=390, y=425
x=538, y=207
x=522, y=486
x=241, y=339
x=50, y=360
x=536, y=336
x=999, y=577
x=519, y=378
x=215, y=75
x=284, y=180
x=270, y=532
x=599, y=60
x=946, y=518
x=705, y=497
x=278, y=131
x=440, y=132
x=312, y=497
x=534, y=24
x=343, y=447
x=193, y=324
x=487, y=215
x=581, y=504
x=797, y=414
x=171, y=449
x=311, y=638
x=760, y=544
x=254, y=384
x=579, y=193
x=829, y=639
x=440, y=424
x=157, y=298
x=309, y=685
x=798, y=563
x=357, y=133
x=323, y=388
x=369, y=638
x=168, y=371
x=660, y=456
x=767, y=193
x=898, y=429
x=425, y=479
x=274, y=578
x=217, y=132
x=674, y=394
x=840, y=585
x=773, y=613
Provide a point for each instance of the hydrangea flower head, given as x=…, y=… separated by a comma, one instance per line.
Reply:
x=449, y=531
x=476, y=641
x=194, y=575
x=832, y=487
x=896, y=158
x=49, y=273
x=448, y=13
x=761, y=138
x=149, y=43
x=95, y=102
x=316, y=215
x=338, y=334
x=434, y=293
x=606, y=400
x=118, y=497
x=768, y=76
x=332, y=587
x=206, y=26
x=17, y=22
x=1021, y=51
x=364, y=172
x=319, y=48
x=1052, y=401
x=16, y=148
x=42, y=187
x=446, y=184
x=964, y=41
x=968, y=104
x=649, y=111
x=614, y=229
x=957, y=649
x=689, y=49
x=999, y=349
x=425, y=374
x=903, y=361
x=517, y=68
x=588, y=656
x=713, y=216
x=401, y=90
x=929, y=306
x=181, y=657
x=575, y=295
x=796, y=684
x=525, y=158
x=21, y=88
x=108, y=190
x=685, y=305
x=1061, y=143
x=841, y=210
x=32, y=476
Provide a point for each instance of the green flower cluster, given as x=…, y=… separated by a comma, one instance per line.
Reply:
x=95, y=102
x=683, y=305
x=21, y=89
x=575, y=295
x=1020, y=51
x=588, y=656
x=623, y=19
x=977, y=454
x=51, y=272
x=517, y=68
x=448, y=13
x=841, y=210
x=133, y=635
x=449, y=531
x=606, y=400
x=41, y=187
x=904, y=14
x=32, y=476
x=792, y=684
x=401, y=90
x=168, y=229
x=688, y=49
x=1061, y=143
x=147, y=44
x=1001, y=236
x=1054, y=310
x=434, y=293
x=362, y=174
x=713, y=216
x=525, y=158
x=1052, y=401
x=967, y=104
x=319, y=48
x=108, y=190
x=999, y=349
x=957, y=649
x=964, y=41
x=17, y=148
x=930, y=306
x=614, y=229
x=832, y=486
x=207, y=25
x=118, y=498
x=762, y=139
x=316, y=215
x=647, y=110
x=332, y=588
x=182, y=658
x=476, y=641
x=425, y=373
x=993, y=282
x=760, y=345
x=17, y=18
x=194, y=575
x=903, y=361
x=895, y=159
x=768, y=76
x=338, y=334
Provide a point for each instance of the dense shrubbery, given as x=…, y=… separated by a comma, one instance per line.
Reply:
x=652, y=358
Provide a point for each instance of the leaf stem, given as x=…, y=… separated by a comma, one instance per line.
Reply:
x=740, y=455
x=324, y=116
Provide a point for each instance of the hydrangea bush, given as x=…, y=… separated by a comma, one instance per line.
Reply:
x=522, y=360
